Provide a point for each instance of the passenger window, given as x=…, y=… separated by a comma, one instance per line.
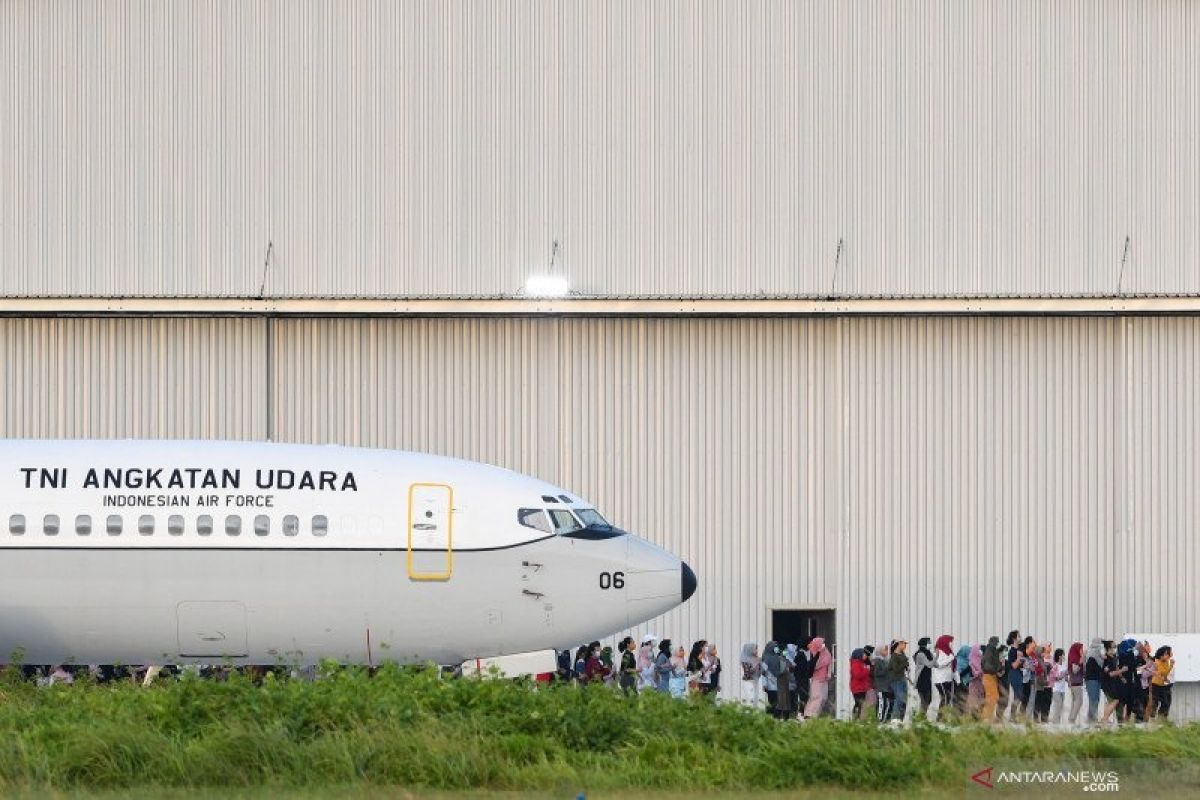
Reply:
x=146, y=525
x=233, y=525
x=320, y=525
x=175, y=525
x=16, y=524
x=533, y=518
x=113, y=524
x=50, y=524
x=564, y=521
x=262, y=525
x=83, y=525
x=204, y=525
x=291, y=525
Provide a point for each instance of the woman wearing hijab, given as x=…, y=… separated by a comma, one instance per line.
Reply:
x=645, y=661
x=679, y=673
x=860, y=679
x=594, y=670
x=974, y=681
x=943, y=673
x=663, y=667
x=1074, y=674
x=1057, y=677
x=581, y=662
x=695, y=666
x=818, y=686
x=783, y=680
x=898, y=673
x=923, y=664
x=962, y=677
x=770, y=674
x=802, y=669
x=751, y=672
x=793, y=660
x=1127, y=657
x=991, y=663
x=1093, y=677
x=713, y=665
x=881, y=680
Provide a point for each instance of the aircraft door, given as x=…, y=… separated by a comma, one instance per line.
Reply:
x=430, y=532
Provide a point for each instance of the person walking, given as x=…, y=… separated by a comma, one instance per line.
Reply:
x=818, y=687
x=714, y=670
x=944, y=663
x=1127, y=658
x=1075, y=680
x=962, y=678
x=923, y=666
x=628, y=676
x=697, y=672
x=898, y=675
x=663, y=667
x=770, y=673
x=1014, y=663
x=645, y=662
x=1093, y=677
x=751, y=674
x=679, y=673
x=1113, y=682
x=802, y=670
x=860, y=680
x=974, y=676
x=991, y=662
x=881, y=680
x=784, y=695
x=1043, y=685
x=1162, y=681
x=1057, y=677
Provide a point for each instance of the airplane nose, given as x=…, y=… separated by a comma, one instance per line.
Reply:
x=687, y=582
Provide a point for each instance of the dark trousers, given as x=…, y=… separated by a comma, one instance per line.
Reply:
x=886, y=699
x=1041, y=704
x=1160, y=700
x=772, y=696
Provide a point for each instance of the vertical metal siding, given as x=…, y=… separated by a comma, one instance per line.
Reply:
x=132, y=378
x=704, y=148
x=920, y=475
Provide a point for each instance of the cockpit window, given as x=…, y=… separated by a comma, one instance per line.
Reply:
x=590, y=516
x=533, y=518
x=564, y=498
x=546, y=498
x=564, y=521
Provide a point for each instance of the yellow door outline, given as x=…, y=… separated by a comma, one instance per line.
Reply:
x=432, y=576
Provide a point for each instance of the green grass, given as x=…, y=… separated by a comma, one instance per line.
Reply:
x=364, y=736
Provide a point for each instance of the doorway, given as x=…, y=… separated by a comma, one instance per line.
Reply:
x=798, y=626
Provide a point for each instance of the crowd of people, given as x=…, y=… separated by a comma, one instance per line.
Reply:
x=652, y=665
x=1019, y=680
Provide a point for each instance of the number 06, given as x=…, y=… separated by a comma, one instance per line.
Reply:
x=615, y=580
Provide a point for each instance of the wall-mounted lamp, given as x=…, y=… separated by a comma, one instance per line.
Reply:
x=547, y=286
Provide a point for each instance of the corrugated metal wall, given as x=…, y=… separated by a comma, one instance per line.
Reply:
x=920, y=475
x=675, y=148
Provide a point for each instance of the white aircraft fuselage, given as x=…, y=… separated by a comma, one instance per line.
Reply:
x=133, y=552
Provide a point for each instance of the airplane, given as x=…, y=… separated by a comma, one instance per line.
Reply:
x=183, y=552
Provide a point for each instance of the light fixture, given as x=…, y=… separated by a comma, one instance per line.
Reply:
x=547, y=286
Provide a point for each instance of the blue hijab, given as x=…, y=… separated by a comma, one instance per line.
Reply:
x=1126, y=647
x=963, y=659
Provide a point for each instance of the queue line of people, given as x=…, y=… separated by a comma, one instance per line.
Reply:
x=652, y=665
x=1020, y=680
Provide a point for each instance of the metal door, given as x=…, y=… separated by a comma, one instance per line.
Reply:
x=430, y=531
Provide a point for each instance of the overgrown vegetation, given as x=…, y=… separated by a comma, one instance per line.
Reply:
x=406, y=727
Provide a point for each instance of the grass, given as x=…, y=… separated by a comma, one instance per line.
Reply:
x=362, y=736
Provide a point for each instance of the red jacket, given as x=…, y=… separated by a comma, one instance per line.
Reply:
x=860, y=676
